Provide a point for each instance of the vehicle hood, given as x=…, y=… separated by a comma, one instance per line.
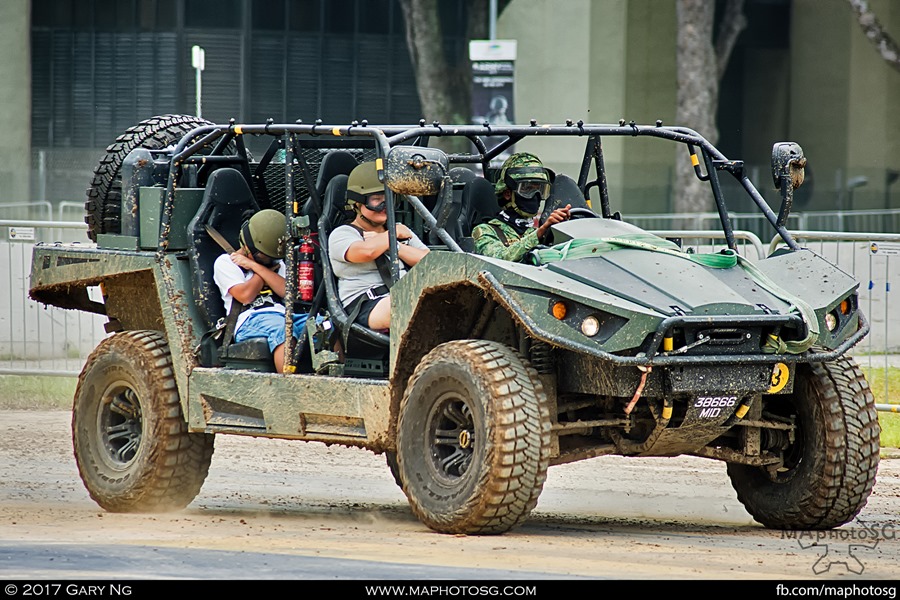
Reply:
x=671, y=284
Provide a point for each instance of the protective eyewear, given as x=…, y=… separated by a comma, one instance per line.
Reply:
x=263, y=259
x=376, y=203
x=528, y=181
x=528, y=189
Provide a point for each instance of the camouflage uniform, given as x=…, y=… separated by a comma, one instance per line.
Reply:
x=490, y=243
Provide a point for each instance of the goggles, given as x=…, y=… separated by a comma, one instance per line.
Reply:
x=263, y=259
x=258, y=255
x=528, y=181
x=376, y=203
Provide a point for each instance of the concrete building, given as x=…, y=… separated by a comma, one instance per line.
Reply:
x=802, y=70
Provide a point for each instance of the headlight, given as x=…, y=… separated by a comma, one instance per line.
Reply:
x=590, y=326
x=592, y=322
x=831, y=321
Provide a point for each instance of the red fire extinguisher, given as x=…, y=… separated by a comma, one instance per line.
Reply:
x=305, y=273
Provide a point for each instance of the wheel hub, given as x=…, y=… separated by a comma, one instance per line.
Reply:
x=120, y=425
x=451, y=430
x=464, y=439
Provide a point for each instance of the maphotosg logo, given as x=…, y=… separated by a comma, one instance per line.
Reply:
x=842, y=548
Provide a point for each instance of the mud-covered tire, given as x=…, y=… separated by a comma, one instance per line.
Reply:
x=132, y=446
x=104, y=196
x=830, y=468
x=473, y=441
x=391, y=459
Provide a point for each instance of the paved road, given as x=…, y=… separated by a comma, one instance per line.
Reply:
x=274, y=509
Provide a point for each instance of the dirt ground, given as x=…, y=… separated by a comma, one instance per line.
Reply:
x=610, y=517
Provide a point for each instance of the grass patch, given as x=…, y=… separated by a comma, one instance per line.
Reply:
x=890, y=429
x=890, y=422
x=36, y=392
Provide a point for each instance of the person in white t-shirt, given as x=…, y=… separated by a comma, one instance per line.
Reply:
x=355, y=248
x=254, y=276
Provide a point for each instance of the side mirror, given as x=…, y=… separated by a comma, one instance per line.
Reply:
x=415, y=170
x=788, y=164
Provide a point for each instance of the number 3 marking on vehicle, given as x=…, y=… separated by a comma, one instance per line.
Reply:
x=780, y=376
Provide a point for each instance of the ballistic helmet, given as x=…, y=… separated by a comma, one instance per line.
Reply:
x=521, y=167
x=264, y=232
x=362, y=182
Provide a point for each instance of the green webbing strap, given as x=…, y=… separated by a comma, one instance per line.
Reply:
x=777, y=345
x=584, y=248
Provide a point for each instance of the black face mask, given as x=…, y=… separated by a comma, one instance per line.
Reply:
x=527, y=206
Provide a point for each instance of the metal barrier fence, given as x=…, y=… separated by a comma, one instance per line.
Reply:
x=874, y=260
x=869, y=221
x=38, y=340
x=51, y=341
x=706, y=241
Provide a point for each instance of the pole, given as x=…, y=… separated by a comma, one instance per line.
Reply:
x=199, y=93
x=198, y=61
x=492, y=21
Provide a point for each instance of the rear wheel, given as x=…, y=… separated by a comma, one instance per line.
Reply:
x=473, y=442
x=104, y=196
x=132, y=447
x=829, y=467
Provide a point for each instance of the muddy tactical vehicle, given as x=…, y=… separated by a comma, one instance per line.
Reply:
x=609, y=340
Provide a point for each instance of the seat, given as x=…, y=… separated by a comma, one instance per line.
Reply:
x=563, y=191
x=454, y=215
x=363, y=346
x=479, y=204
x=226, y=199
x=460, y=176
x=338, y=162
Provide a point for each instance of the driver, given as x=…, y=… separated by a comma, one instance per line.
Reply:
x=522, y=184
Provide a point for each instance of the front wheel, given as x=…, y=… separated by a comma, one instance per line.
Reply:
x=473, y=442
x=132, y=447
x=829, y=466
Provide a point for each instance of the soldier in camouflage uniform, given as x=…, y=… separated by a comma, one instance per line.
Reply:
x=521, y=185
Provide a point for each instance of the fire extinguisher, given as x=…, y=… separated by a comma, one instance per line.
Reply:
x=306, y=273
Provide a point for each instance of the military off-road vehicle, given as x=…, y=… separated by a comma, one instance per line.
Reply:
x=609, y=340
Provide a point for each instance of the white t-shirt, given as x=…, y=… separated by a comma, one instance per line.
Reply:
x=226, y=274
x=355, y=278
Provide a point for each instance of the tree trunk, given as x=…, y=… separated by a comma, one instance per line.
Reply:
x=699, y=69
x=445, y=90
x=886, y=46
x=697, y=96
x=424, y=39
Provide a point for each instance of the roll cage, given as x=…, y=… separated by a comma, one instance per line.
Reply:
x=385, y=137
x=207, y=148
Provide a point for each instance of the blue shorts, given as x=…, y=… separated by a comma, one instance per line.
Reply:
x=269, y=325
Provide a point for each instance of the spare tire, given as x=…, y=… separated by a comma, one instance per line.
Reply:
x=104, y=196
